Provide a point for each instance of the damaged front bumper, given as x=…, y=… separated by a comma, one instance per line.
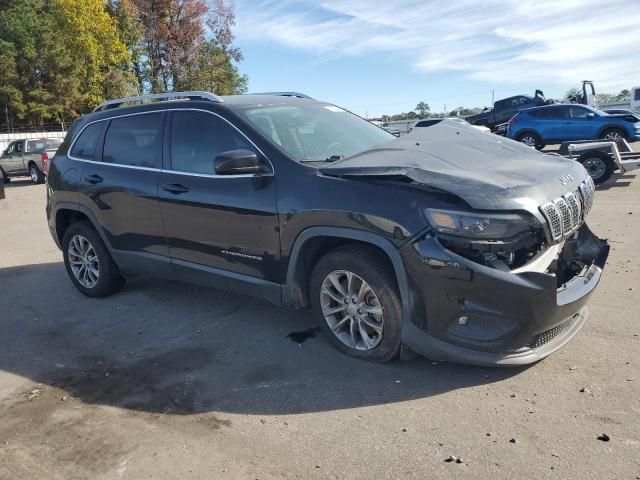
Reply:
x=466, y=312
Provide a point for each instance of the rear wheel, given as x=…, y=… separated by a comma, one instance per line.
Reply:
x=356, y=302
x=613, y=134
x=36, y=174
x=5, y=177
x=88, y=262
x=531, y=140
x=599, y=165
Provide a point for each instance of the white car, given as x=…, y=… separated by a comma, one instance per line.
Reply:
x=433, y=121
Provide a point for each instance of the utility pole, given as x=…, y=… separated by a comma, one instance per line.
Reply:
x=445, y=110
x=493, y=92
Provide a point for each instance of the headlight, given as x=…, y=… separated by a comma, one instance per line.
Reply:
x=482, y=226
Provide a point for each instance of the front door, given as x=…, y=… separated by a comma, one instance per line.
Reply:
x=11, y=161
x=120, y=186
x=216, y=224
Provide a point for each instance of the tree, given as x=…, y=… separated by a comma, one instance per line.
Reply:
x=423, y=109
x=91, y=36
x=130, y=31
x=572, y=92
x=624, y=95
x=180, y=57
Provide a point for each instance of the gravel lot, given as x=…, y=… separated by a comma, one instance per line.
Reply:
x=166, y=380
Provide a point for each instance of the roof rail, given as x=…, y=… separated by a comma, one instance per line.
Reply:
x=109, y=104
x=284, y=94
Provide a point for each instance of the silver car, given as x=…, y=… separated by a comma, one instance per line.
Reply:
x=28, y=157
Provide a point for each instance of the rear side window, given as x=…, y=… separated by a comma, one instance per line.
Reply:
x=85, y=145
x=558, y=112
x=135, y=141
x=198, y=137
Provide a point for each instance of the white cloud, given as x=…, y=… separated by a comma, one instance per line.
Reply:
x=557, y=42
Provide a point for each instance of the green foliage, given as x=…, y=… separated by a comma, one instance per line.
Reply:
x=59, y=58
x=423, y=109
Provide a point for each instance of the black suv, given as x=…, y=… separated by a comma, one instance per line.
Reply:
x=450, y=242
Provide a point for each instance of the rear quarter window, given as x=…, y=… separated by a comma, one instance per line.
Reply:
x=85, y=145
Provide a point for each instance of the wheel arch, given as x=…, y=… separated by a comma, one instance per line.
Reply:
x=69, y=213
x=529, y=131
x=614, y=126
x=314, y=242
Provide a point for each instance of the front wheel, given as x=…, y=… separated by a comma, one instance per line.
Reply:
x=36, y=174
x=599, y=165
x=88, y=262
x=356, y=302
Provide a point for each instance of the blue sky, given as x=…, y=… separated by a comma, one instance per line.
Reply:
x=379, y=57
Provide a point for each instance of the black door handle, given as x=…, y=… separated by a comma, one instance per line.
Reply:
x=175, y=188
x=93, y=179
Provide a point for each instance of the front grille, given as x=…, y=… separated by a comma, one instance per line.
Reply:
x=565, y=214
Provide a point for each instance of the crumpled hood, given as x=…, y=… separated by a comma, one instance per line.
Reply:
x=486, y=170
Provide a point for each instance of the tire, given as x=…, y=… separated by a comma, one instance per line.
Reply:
x=368, y=265
x=600, y=165
x=108, y=280
x=36, y=174
x=531, y=140
x=613, y=134
x=5, y=177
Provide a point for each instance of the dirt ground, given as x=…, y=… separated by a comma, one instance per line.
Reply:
x=166, y=380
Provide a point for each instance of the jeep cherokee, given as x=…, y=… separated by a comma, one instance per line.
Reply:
x=450, y=242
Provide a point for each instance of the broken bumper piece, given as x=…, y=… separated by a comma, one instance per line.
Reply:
x=470, y=313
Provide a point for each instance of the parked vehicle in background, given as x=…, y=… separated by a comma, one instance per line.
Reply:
x=632, y=116
x=506, y=108
x=434, y=121
x=451, y=242
x=602, y=157
x=28, y=157
x=537, y=127
x=633, y=104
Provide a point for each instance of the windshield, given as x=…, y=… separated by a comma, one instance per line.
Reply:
x=315, y=132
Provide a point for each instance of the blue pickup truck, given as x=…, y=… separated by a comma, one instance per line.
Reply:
x=558, y=123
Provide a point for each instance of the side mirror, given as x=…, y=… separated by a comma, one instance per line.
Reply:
x=239, y=162
x=591, y=116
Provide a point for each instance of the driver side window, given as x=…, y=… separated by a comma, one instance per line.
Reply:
x=197, y=138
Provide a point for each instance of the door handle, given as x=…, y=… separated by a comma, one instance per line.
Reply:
x=175, y=188
x=93, y=179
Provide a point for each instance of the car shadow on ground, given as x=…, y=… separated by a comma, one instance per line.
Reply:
x=617, y=180
x=167, y=347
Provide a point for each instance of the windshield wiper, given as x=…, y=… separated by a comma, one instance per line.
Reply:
x=332, y=158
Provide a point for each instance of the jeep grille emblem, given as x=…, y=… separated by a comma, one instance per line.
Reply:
x=565, y=179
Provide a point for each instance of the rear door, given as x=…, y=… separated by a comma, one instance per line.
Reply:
x=119, y=185
x=552, y=122
x=220, y=224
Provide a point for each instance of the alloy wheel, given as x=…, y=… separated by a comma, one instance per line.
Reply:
x=83, y=261
x=529, y=141
x=352, y=310
x=614, y=135
x=34, y=174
